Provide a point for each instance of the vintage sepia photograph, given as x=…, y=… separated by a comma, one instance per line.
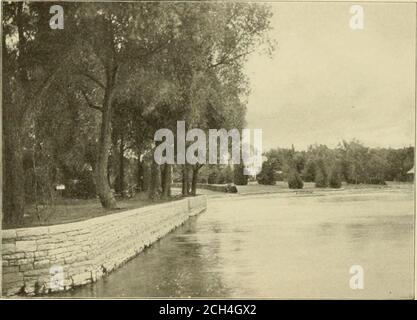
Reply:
x=208, y=149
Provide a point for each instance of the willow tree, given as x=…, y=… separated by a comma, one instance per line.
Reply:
x=33, y=56
x=217, y=40
x=115, y=37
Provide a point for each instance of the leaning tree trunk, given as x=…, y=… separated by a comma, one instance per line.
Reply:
x=103, y=188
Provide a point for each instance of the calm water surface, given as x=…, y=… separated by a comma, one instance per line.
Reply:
x=277, y=246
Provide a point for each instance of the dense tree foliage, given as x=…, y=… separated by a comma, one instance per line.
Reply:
x=294, y=180
x=239, y=177
x=81, y=104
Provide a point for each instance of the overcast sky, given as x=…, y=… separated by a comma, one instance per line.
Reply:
x=327, y=82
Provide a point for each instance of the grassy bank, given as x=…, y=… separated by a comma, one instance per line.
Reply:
x=72, y=210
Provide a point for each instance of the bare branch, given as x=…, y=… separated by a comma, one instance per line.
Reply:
x=90, y=104
x=92, y=78
x=152, y=51
x=224, y=60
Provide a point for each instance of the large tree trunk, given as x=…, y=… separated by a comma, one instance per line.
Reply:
x=103, y=188
x=155, y=181
x=162, y=180
x=185, y=180
x=121, y=165
x=146, y=175
x=139, y=174
x=196, y=168
x=166, y=181
x=14, y=109
x=13, y=173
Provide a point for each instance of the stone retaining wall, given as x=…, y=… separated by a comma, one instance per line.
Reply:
x=40, y=260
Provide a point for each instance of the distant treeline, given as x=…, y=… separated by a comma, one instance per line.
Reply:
x=351, y=162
